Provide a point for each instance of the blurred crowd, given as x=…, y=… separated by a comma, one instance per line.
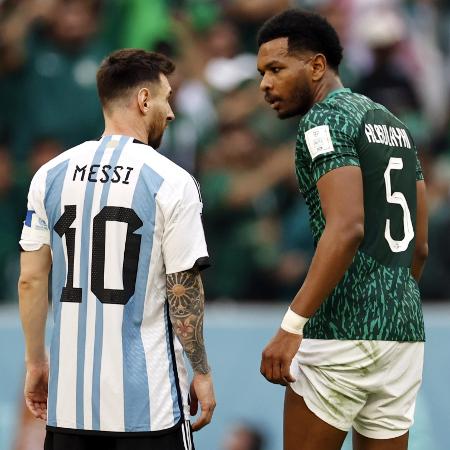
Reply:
x=396, y=52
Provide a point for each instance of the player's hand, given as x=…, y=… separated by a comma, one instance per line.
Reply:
x=36, y=389
x=277, y=357
x=202, y=391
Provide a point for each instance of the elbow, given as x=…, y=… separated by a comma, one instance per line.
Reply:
x=355, y=234
x=24, y=284
x=352, y=231
x=27, y=283
x=421, y=252
x=350, y=235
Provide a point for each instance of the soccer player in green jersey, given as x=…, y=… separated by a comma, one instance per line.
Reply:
x=358, y=314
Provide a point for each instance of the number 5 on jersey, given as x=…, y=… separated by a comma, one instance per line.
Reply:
x=130, y=259
x=399, y=199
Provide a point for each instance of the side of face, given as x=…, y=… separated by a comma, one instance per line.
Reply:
x=154, y=103
x=286, y=78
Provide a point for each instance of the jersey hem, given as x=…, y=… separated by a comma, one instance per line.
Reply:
x=63, y=430
x=361, y=338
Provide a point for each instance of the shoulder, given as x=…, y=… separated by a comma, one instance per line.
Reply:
x=340, y=117
x=175, y=179
x=41, y=174
x=343, y=112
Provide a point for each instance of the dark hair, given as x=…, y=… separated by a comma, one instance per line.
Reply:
x=124, y=69
x=305, y=31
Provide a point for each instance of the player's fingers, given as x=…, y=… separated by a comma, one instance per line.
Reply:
x=266, y=366
x=32, y=407
x=193, y=406
x=199, y=423
x=203, y=420
x=276, y=373
x=286, y=372
x=42, y=409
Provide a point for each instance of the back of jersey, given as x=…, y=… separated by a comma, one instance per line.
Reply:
x=116, y=214
x=377, y=298
x=388, y=161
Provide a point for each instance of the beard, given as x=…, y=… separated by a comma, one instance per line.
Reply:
x=301, y=103
x=155, y=140
x=156, y=132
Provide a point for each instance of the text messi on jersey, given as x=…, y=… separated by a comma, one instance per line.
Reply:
x=103, y=173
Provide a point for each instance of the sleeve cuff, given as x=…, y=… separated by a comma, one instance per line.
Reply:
x=327, y=166
x=203, y=263
x=28, y=246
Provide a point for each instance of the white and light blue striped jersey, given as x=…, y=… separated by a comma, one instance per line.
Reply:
x=118, y=217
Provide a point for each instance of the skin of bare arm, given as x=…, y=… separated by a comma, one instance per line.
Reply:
x=186, y=309
x=341, y=198
x=421, y=247
x=33, y=306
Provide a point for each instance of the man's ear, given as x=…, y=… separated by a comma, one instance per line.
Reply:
x=318, y=66
x=143, y=98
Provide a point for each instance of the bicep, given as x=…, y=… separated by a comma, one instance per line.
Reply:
x=35, y=265
x=341, y=196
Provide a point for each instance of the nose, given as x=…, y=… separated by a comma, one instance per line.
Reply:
x=266, y=84
x=170, y=115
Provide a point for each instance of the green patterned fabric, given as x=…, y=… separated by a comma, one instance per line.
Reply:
x=377, y=299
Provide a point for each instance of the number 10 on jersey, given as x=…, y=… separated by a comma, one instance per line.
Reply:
x=97, y=273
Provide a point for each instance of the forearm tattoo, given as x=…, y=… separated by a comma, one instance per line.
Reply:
x=186, y=307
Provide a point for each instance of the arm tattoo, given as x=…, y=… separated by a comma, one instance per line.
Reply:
x=186, y=307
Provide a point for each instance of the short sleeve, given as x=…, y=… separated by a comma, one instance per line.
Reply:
x=35, y=231
x=184, y=243
x=328, y=139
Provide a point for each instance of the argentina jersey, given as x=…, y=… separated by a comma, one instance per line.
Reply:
x=118, y=217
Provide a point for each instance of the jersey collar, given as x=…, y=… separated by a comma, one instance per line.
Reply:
x=337, y=91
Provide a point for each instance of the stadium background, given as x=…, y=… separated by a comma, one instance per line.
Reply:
x=397, y=52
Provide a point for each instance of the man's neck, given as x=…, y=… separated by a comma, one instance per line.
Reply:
x=329, y=83
x=125, y=128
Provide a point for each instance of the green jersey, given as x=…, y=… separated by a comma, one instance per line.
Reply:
x=377, y=298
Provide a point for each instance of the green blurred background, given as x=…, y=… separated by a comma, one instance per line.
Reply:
x=397, y=52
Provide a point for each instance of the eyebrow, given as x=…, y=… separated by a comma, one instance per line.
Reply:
x=269, y=65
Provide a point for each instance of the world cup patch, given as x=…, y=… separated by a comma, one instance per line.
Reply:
x=33, y=221
x=318, y=141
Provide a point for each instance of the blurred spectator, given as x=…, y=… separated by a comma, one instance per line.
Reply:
x=9, y=224
x=244, y=437
x=387, y=83
x=42, y=150
x=227, y=67
x=54, y=79
x=435, y=283
x=396, y=51
x=296, y=247
x=194, y=117
x=250, y=14
x=238, y=179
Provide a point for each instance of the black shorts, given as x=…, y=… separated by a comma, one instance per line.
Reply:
x=178, y=439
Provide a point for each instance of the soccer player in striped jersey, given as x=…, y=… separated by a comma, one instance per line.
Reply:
x=121, y=227
x=359, y=364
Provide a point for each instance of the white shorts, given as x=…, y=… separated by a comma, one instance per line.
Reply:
x=368, y=385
